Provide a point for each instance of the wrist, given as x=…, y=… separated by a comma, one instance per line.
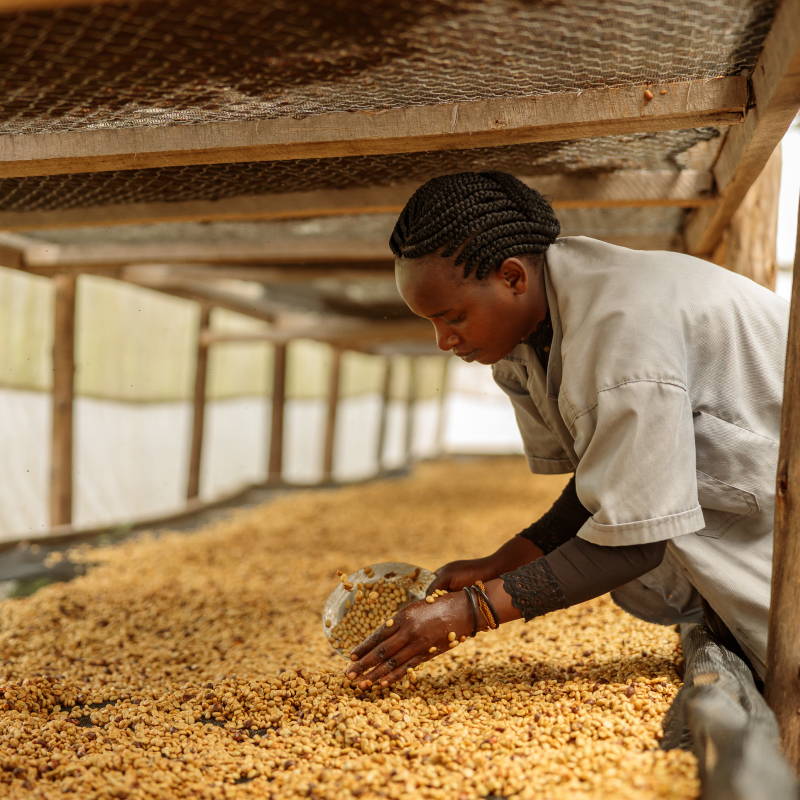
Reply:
x=514, y=554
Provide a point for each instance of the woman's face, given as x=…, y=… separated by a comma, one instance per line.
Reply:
x=479, y=320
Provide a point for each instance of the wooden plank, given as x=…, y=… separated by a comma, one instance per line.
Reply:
x=11, y=257
x=63, y=401
x=275, y=469
x=386, y=399
x=343, y=332
x=275, y=251
x=256, y=307
x=623, y=188
x=747, y=148
x=17, y=6
x=441, y=422
x=198, y=420
x=333, y=406
x=483, y=123
x=410, y=409
x=298, y=273
x=782, y=688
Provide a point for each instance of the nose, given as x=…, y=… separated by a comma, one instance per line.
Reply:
x=446, y=340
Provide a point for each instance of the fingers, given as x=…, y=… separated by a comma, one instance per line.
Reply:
x=400, y=662
x=384, y=650
x=399, y=672
x=371, y=642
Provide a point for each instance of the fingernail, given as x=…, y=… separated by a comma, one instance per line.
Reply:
x=352, y=676
x=353, y=657
x=384, y=683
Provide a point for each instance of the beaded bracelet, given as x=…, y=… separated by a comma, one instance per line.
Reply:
x=487, y=609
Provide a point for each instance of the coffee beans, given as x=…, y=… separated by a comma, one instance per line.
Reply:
x=223, y=625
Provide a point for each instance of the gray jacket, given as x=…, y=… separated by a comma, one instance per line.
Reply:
x=663, y=393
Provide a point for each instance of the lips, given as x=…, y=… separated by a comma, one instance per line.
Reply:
x=470, y=356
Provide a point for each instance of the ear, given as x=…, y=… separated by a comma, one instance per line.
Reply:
x=514, y=275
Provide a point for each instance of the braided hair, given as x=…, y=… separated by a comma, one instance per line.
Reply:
x=494, y=213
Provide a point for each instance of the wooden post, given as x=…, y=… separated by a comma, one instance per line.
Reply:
x=386, y=401
x=63, y=401
x=278, y=403
x=749, y=243
x=441, y=423
x=782, y=688
x=412, y=394
x=333, y=403
x=201, y=371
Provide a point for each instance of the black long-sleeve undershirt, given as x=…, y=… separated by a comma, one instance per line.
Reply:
x=573, y=570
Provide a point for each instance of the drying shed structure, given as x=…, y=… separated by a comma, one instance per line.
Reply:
x=178, y=145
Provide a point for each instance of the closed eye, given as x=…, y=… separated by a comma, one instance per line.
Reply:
x=454, y=321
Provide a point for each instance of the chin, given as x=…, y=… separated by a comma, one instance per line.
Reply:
x=488, y=360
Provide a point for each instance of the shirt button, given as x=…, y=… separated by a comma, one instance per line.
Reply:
x=546, y=348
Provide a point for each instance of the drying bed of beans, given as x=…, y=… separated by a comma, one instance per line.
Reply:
x=195, y=666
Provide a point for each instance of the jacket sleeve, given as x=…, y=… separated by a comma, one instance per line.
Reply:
x=636, y=472
x=543, y=451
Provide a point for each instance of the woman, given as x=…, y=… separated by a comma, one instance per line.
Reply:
x=655, y=377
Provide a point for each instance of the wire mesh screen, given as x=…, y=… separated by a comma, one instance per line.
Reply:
x=694, y=148
x=175, y=62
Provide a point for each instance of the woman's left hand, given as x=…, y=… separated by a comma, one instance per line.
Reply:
x=418, y=633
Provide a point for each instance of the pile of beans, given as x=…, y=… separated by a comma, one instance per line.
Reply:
x=193, y=665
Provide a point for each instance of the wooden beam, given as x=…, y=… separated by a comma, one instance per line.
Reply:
x=275, y=469
x=623, y=188
x=482, y=123
x=11, y=257
x=441, y=422
x=410, y=408
x=18, y=6
x=749, y=243
x=299, y=273
x=256, y=307
x=349, y=254
x=333, y=405
x=63, y=401
x=281, y=252
x=198, y=420
x=776, y=92
x=782, y=689
x=386, y=399
x=343, y=332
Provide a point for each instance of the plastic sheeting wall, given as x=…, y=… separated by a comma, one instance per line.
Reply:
x=135, y=356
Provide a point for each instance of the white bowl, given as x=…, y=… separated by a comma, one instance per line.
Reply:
x=334, y=610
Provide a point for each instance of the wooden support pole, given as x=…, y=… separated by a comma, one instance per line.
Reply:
x=749, y=243
x=782, y=689
x=412, y=394
x=195, y=457
x=385, y=404
x=278, y=404
x=63, y=401
x=441, y=422
x=333, y=404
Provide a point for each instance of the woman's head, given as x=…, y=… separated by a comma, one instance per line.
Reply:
x=468, y=251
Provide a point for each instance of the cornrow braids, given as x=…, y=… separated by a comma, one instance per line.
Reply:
x=487, y=216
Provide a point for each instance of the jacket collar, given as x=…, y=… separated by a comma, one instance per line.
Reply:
x=525, y=354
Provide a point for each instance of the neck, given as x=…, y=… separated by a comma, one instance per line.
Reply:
x=539, y=307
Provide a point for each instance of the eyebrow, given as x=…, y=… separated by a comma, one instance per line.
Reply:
x=442, y=313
